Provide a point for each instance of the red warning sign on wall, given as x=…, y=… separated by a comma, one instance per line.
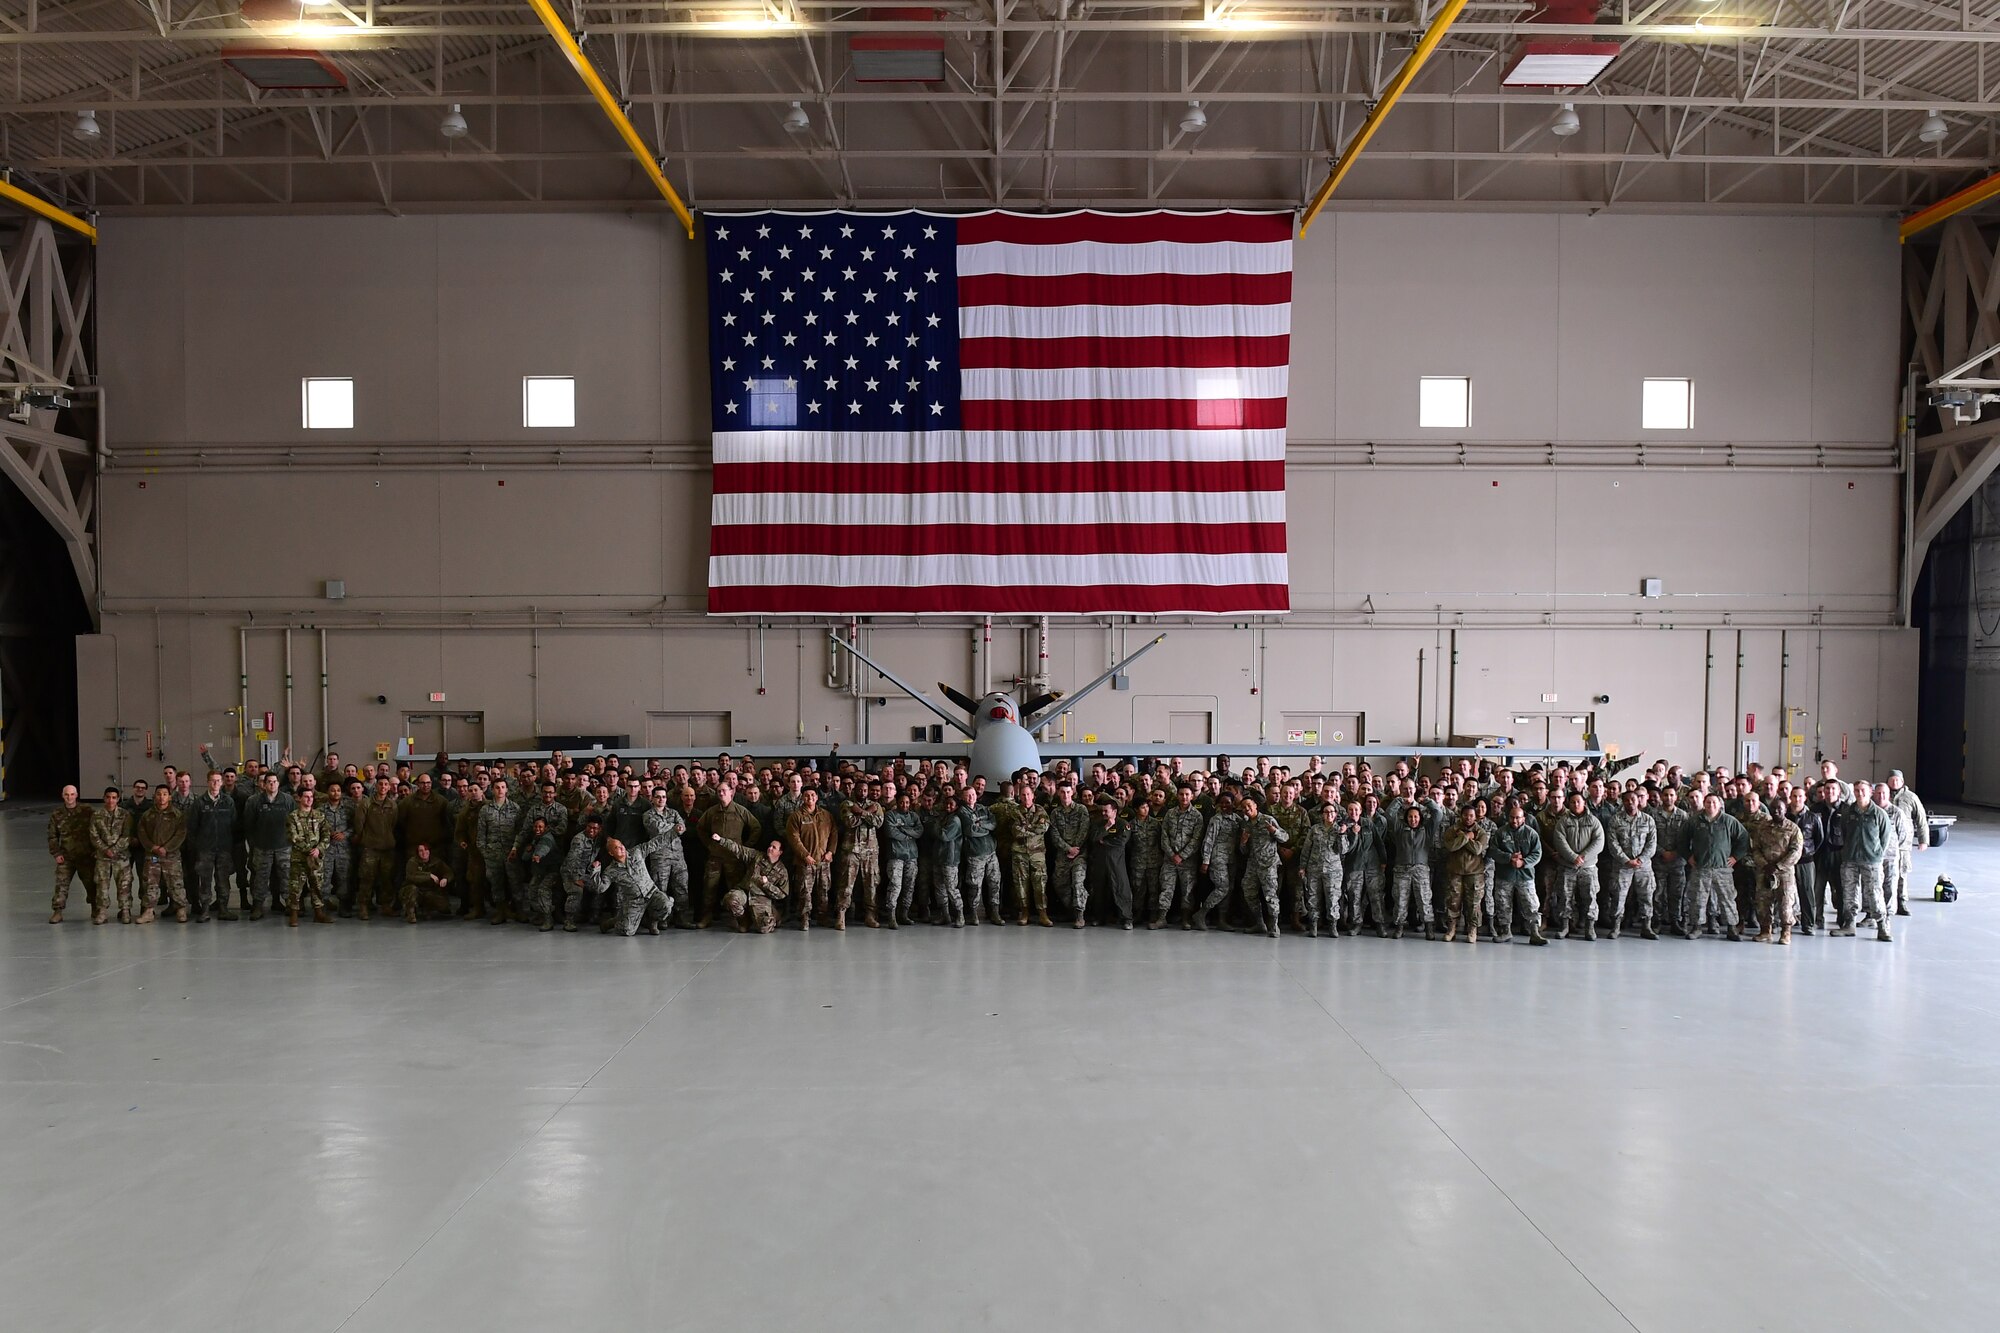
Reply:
x=1749, y=724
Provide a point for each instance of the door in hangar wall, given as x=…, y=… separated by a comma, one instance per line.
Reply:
x=445, y=733
x=1191, y=728
x=1322, y=729
x=665, y=731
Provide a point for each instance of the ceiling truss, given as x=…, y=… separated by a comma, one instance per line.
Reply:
x=1751, y=104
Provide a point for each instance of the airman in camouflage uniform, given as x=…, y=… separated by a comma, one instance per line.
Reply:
x=337, y=864
x=1413, y=839
x=580, y=867
x=1576, y=839
x=1362, y=890
x=162, y=830
x=1716, y=844
x=639, y=900
x=1630, y=839
x=860, y=857
x=1670, y=863
x=1906, y=800
x=530, y=902
x=1261, y=837
x=375, y=823
x=755, y=898
x=110, y=836
x=1870, y=833
x=1147, y=828
x=737, y=825
x=69, y=844
x=662, y=851
x=540, y=866
x=1465, y=864
x=465, y=836
x=499, y=820
x=1327, y=839
x=306, y=830
x=1069, y=829
x=1029, y=825
x=426, y=876
x=946, y=835
x=1776, y=844
x=1218, y=859
x=981, y=886
x=902, y=834
x=1291, y=817
x=1181, y=828
x=1515, y=849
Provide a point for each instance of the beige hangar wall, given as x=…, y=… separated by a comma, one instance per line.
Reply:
x=554, y=585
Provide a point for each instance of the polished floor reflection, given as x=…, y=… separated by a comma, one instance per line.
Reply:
x=381, y=1127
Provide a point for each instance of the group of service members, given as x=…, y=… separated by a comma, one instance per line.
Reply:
x=1558, y=852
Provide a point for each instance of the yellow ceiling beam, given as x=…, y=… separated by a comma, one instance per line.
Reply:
x=36, y=204
x=1972, y=196
x=612, y=112
x=1397, y=87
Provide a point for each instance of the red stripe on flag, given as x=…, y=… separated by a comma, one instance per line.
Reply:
x=1125, y=228
x=985, y=478
x=1064, y=353
x=1103, y=414
x=1138, y=599
x=1125, y=289
x=998, y=539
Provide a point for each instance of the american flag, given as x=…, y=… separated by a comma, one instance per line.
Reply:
x=998, y=413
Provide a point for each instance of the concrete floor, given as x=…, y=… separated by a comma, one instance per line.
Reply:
x=223, y=1127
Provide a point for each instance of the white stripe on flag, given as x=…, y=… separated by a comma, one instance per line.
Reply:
x=999, y=446
x=891, y=571
x=1124, y=321
x=1064, y=507
x=1207, y=383
x=1177, y=257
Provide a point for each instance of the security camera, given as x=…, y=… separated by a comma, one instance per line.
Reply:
x=1601, y=699
x=381, y=698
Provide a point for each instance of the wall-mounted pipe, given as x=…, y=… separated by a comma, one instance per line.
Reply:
x=1707, y=690
x=159, y=690
x=1418, y=732
x=325, y=697
x=1042, y=654
x=242, y=692
x=1451, y=688
x=1736, y=722
x=288, y=691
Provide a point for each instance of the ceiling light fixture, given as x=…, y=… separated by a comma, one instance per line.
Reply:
x=796, y=120
x=86, y=125
x=1934, y=129
x=1195, y=121
x=1566, y=122
x=453, y=126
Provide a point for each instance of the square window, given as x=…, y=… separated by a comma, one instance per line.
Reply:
x=774, y=404
x=1444, y=402
x=1218, y=402
x=329, y=404
x=1667, y=404
x=548, y=401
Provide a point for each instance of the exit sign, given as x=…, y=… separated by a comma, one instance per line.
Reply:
x=437, y=696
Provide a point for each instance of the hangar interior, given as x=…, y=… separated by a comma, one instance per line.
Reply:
x=1772, y=212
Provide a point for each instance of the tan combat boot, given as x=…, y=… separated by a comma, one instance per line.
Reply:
x=320, y=917
x=145, y=918
x=291, y=916
x=55, y=918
